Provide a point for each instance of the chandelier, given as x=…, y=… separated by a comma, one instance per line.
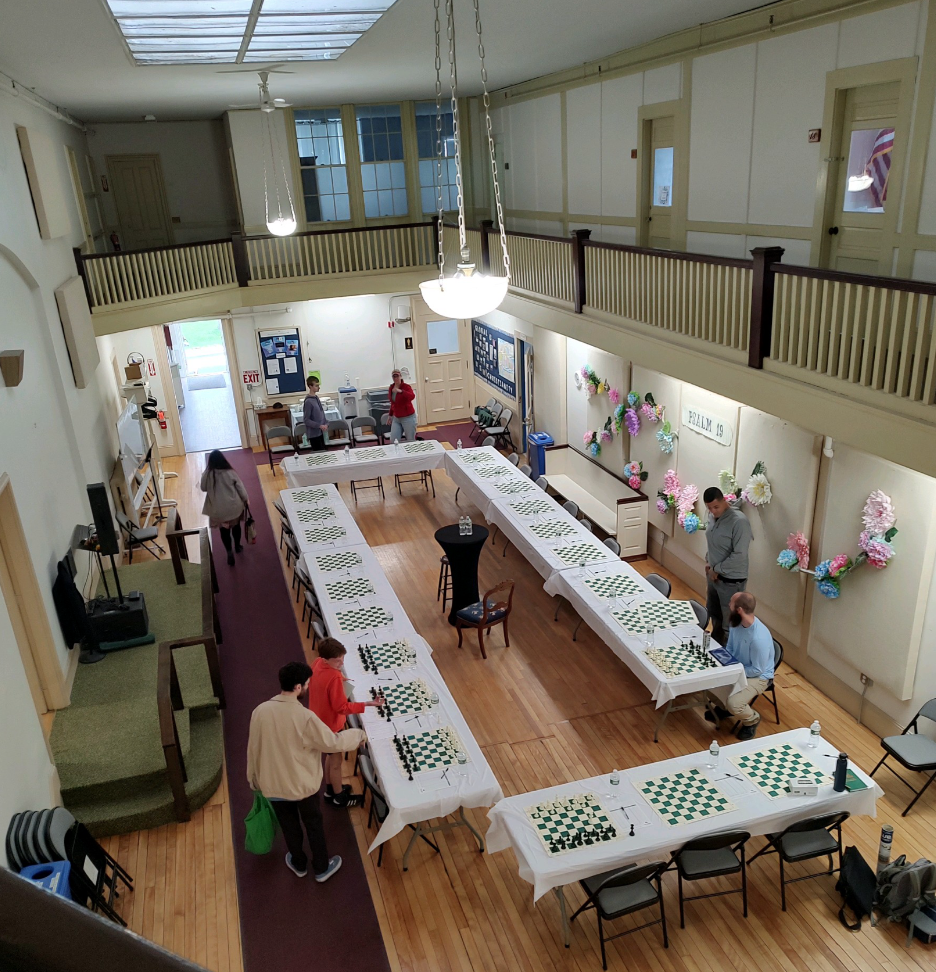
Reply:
x=280, y=212
x=467, y=293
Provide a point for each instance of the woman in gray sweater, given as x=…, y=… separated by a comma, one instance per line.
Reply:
x=225, y=501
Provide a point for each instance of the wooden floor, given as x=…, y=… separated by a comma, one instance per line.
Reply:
x=547, y=710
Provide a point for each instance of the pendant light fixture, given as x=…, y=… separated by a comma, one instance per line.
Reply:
x=280, y=212
x=467, y=293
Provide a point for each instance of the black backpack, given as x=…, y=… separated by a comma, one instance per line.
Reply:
x=857, y=885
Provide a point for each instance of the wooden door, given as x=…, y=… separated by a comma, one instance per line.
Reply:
x=660, y=186
x=443, y=368
x=142, y=211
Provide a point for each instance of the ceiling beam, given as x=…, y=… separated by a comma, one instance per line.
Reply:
x=252, y=19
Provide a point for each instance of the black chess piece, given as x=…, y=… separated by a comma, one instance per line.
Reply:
x=631, y=831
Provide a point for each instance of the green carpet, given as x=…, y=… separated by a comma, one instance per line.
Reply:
x=106, y=744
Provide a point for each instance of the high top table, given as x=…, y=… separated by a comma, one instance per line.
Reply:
x=463, y=552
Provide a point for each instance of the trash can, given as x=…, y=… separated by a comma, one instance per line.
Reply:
x=53, y=877
x=348, y=402
x=536, y=449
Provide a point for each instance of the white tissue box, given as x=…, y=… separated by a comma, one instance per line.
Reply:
x=803, y=786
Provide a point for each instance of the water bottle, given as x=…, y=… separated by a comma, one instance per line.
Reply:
x=814, y=731
x=469, y=526
x=884, y=848
x=615, y=779
x=706, y=640
x=396, y=444
x=841, y=768
x=713, y=755
x=347, y=452
x=461, y=526
x=458, y=444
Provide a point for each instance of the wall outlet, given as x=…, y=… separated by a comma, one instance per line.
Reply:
x=865, y=679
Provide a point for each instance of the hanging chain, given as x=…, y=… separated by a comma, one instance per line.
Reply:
x=438, y=95
x=462, y=240
x=490, y=138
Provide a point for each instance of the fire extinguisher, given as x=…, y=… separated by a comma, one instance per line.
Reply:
x=161, y=418
x=115, y=241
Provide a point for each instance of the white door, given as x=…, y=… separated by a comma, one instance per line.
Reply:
x=444, y=376
x=142, y=211
x=661, y=182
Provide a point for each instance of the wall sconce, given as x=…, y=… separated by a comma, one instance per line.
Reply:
x=11, y=367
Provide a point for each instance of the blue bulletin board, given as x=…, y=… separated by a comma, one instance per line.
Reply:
x=281, y=360
x=494, y=355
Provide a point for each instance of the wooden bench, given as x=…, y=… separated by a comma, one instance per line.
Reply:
x=601, y=496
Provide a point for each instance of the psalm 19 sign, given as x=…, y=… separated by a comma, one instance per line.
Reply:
x=708, y=424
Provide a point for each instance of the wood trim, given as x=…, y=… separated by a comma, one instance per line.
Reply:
x=859, y=279
x=155, y=249
x=636, y=498
x=674, y=254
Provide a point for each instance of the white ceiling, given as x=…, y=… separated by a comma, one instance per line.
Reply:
x=71, y=52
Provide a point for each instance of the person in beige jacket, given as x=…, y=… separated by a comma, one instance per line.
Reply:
x=225, y=501
x=284, y=762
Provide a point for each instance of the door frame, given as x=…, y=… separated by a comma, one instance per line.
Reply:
x=163, y=199
x=679, y=111
x=421, y=314
x=903, y=70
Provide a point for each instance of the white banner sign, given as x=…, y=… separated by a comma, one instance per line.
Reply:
x=706, y=423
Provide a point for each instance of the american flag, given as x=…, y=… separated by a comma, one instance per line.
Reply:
x=878, y=166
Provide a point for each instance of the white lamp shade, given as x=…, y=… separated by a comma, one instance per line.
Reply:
x=462, y=297
x=282, y=226
x=859, y=183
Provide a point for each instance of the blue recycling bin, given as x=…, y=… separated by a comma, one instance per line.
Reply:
x=536, y=449
x=53, y=877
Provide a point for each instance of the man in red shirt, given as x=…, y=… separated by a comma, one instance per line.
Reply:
x=328, y=700
x=402, y=410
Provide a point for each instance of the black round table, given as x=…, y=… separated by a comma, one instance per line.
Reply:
x=463, y=553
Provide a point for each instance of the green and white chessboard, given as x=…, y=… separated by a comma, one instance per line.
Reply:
x=476, y=455
x=349, y=590
x=673, y=660
x=550, y=529
x=493, y=472
x=361, y=619
x=332, y=563
x=315, y=514
x=322, y=459
x=771, y=769
x=569, y=823
x=414, y=448
x=386, y=656
x=512, y=486
x=576, y=553
x=684, y=797
x=532, y=507
x=324, y=534
x=658, y=615
x=612, y=586
x=375, y=452
x=407, y=698
x=431, y=750
x=315, y=495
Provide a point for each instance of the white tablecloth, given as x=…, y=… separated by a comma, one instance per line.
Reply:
x=463, y=467
x=596, y=613
x=363, y=462
x=654, y=839
x=318, y=524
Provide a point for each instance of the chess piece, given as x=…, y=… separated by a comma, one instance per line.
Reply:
x=631, y=831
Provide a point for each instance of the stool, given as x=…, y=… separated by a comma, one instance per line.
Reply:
x=445, y=582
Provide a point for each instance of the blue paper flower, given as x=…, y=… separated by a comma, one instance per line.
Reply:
x=788, y=559
x=822, y=570
x=595, y=449
x=691, y=523
x=828, y=588
x=633, y=399
x=665, y=440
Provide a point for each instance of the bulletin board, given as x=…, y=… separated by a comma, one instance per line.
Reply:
x=494, y=355
x=281, y=362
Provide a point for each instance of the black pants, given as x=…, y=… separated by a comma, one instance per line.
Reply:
x=289, y=813
x=226, y=535
x=719, y=596
x=316, y=443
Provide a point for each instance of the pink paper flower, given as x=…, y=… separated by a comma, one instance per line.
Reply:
x=731, y=498
x=878, y=515
x=671, y=483
x=588, y=437
x=606, y=435
x=688, y=496
x=661, y=505
x=798, y=543
x=634, y=482
x=837, y=564
x=650, y=412
x=614, y=396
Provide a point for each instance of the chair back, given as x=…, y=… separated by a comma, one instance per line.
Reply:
x=489, y=441
x=514, y=458
x=928, y=711
x=499, y=598
x=290, y=539
x=490, y=403
x=778, y=657
x=543, y=483
x=370, y=781
x=526, y=469
x=660, y=583
x=384, y=424
x=587, y=524
x=504, y=419
x=612, y=544
x=824, y=821
x=339, y=425
x=631, y=875
x=364, y=422
x=278, y=506
x=319, y=630
x=701, y=613
x=278, y=432
x=303, y=576
x=496, y=409
x=729, y=838
x=570, y=507
x=125, y=523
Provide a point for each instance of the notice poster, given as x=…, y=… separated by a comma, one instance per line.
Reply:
x=281, y=360
x=494, y=356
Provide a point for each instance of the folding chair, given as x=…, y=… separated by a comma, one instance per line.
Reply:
x=913, y=751
x=714, y=856
x=139, y=536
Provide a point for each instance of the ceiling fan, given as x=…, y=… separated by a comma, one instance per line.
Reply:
x=267, y=103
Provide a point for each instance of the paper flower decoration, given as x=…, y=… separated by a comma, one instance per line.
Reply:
x=798, y=543
x=878, y=515
x=588, y=438
x=606, y=435
x=650, y=410
x=879, y=551
x=614, y=396
x=665, y=438
x=727, y=483
x=788, y=560
x=661, y=505
x=632, y=421
x=634, y=482
x=822, y=570
x=633, y=399
x=595, y=449
x=757, y=492
x=671, y=482
x=688, y=496
x=690, y=523
x=731, y=498
x=838, y=564
x=829, y=588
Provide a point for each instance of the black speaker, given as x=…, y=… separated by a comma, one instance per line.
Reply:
x=112, y=622
x=103, y=520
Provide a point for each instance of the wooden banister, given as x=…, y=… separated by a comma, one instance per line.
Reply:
x=169, y=701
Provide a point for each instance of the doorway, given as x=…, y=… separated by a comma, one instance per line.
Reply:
x=140, y=197
x=443, y=386
x=201, y=380
x=660, y=172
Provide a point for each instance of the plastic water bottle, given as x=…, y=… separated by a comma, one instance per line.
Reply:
x=347, y=452
x=469, y=526
x=884, y=848
x=458, y=444
x=461, y=526
x=615, y=779
x=814, y=732
x=713, y=751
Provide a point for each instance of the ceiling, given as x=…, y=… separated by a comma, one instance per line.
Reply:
x=71, y=52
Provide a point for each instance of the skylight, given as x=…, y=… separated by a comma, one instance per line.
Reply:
x=242, y=31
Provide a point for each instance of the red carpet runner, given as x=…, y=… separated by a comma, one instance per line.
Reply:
x=288, y=924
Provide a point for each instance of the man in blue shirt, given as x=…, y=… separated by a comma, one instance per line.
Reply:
x=750, y=643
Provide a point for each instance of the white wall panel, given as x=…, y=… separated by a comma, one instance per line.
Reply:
x=795, y=251
x=583, y=148
x=880, y=36
x=720, y=134
x=547, y=147
x=716, y=244
x=790, y=93
x=620, y=100
x=619, y=234
x=662, y=84
x=924, y=265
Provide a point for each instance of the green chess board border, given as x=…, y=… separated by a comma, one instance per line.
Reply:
x=388, y=655
x=696, y=787
x=679, y=654
x=343, y=618
x=567, y=824
x=567, y=557
x=776, y=786
x=595, y=585
x=446, y=750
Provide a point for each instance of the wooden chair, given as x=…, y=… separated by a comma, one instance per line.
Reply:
x=491, y=610
x=913, y=751
x=282, y=450
x=717, y=855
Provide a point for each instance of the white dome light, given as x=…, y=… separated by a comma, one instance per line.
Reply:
x=462, y=297
x=282, y=226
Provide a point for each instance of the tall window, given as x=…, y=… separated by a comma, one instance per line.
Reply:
x=322, y=161
x=383, y=175
x=428, y=170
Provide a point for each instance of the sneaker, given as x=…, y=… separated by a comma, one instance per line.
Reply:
x=348, y=800
x=329, y=795
x=292, y=867
x=230, y=560
x=717, y=715
x=333, y=865
x=747, y=732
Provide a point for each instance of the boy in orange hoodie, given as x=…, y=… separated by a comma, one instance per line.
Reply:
x=327, y=699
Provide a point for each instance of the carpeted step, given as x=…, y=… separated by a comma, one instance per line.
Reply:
x=150, y=804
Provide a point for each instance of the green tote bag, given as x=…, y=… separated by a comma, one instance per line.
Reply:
x=261, y=825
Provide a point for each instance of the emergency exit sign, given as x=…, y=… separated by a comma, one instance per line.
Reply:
x=251, y=377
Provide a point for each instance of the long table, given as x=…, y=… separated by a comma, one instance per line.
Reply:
x=360, y=607
x=362, y=462
x=320, y=519
x=751, y=810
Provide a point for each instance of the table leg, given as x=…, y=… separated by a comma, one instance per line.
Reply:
x=417, y=830
x=467, y=823
x=661, y=720
x=566, y=932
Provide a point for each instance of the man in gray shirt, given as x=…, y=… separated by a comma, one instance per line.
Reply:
x=728, y=535
x=313, y=415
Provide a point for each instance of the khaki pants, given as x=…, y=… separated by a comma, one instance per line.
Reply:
x=739, y=704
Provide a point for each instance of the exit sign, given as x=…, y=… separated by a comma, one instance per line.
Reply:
x=251, y=377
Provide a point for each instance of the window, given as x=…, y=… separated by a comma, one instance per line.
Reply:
x=383, y=175
x=322, y=161
x=442, y=337
x=662, y=177
x=428, y=168
x=869, y=159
